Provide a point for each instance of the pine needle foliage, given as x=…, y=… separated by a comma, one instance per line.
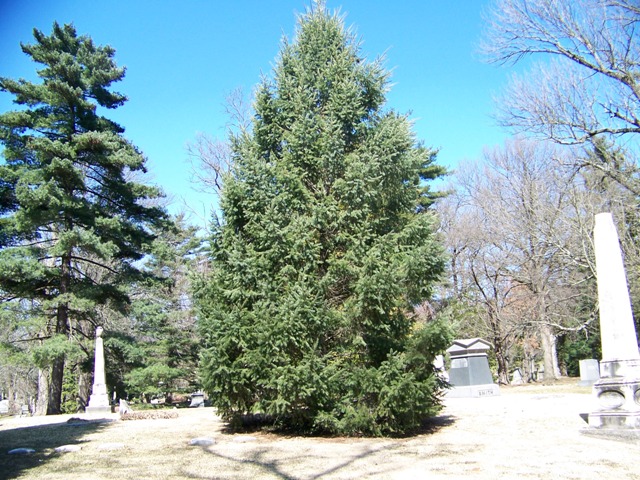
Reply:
x=324, y=244
x=73, y=221
x=161, y=318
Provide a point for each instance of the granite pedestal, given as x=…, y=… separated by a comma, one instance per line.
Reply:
x=469, y=373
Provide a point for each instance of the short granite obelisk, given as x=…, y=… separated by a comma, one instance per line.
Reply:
x=99, y=399
x=618, y=390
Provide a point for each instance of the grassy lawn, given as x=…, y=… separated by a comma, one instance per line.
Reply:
x=160, y=448
x=149, y=448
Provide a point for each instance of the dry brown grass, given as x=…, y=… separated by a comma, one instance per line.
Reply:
x=563, y=385
x=531, y=431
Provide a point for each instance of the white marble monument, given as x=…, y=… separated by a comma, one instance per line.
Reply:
x=618, y=390
x=99, y=400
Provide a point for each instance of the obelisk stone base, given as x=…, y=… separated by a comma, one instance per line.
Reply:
x=98, y=404
x=97, y=411
x=618, y=396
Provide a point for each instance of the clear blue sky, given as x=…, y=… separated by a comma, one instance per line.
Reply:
x=184, y=57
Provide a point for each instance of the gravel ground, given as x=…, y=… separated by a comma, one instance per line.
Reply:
x=523, y=433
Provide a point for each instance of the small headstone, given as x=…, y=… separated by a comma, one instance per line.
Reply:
x=68, y=448
x=197, y=400
x=124, y=407
x=21, y=451
x=589, y=372
x=516, y=377
x=24, y=411
x=440, y=368
x=4, y=407
x=202, y=441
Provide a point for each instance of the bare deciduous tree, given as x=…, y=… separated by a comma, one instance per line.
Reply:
x=478, y=278
x=592, y=86
x=210, y=160
x=516, y=250
x=210, y=157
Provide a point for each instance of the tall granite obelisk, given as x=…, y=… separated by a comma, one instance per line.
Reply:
x=618, y=390
x=99, y=399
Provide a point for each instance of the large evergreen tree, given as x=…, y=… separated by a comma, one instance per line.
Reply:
x=73, y=221
x=324, y=245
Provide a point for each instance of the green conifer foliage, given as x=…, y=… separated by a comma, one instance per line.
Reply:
x=72, y=221
x=324, y=246
x=162, y=320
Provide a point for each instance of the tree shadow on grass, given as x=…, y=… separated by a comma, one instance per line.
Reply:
x=44, y=439
x=434, y=424
x=263, y=458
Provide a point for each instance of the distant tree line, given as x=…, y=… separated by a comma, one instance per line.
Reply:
x=519, y=225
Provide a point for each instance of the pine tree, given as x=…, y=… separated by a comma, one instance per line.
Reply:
x=162, y=319
x=73, y=223
x=324, y=245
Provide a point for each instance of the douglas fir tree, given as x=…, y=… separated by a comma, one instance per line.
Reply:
x=324, y=246
x=72, y=221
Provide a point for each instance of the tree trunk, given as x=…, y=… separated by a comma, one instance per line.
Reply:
x=503, y=365
x=10, y=395
x=54, y=406
x=62, y=327
x=84, y=390
x=528, y=362
x=42, y=397
x=550, y=356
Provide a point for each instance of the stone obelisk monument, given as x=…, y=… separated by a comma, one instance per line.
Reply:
x=99, y=400
x=618, y=390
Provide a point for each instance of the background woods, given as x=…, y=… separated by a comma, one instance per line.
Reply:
x=519, y=224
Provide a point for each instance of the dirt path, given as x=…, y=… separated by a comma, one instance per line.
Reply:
x=515, y=435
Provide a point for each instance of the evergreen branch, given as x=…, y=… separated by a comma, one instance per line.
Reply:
x=97, y=264
x=84, y=275
x=33, y=244
x=38, y=338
